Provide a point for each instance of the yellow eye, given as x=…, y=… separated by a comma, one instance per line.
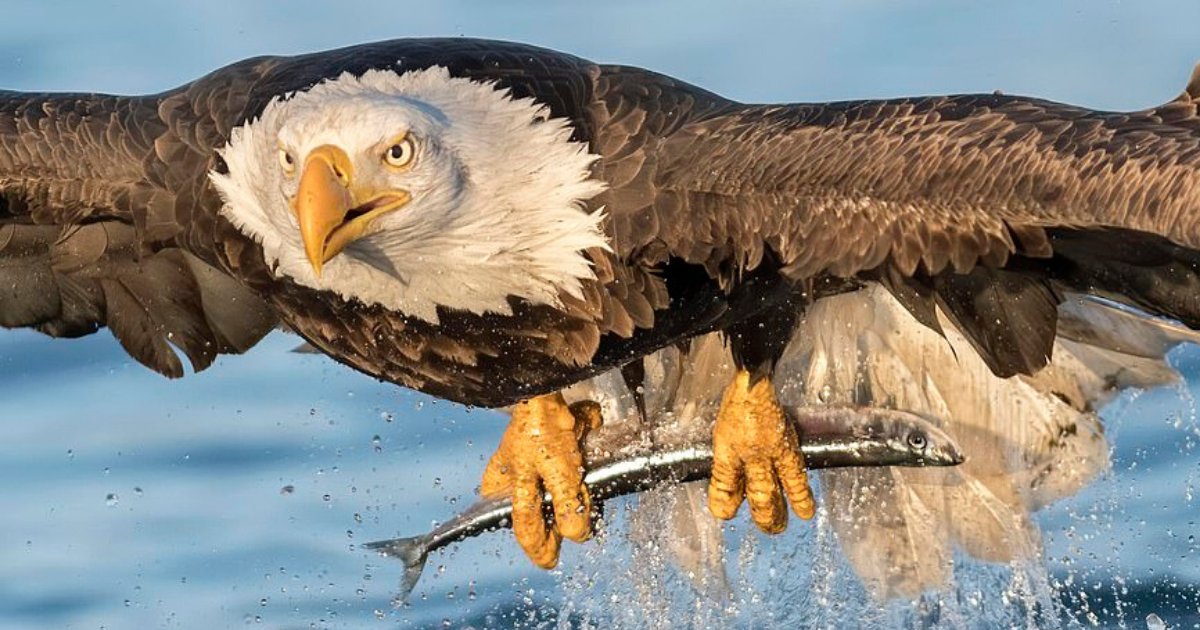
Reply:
x=400, y=154
x=286, y=162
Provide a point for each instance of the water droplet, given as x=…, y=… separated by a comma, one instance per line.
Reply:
x=111, y=499
x=377, y=443
x=262, y=602
x=288, y=489
x=326, y=498
x=70, y=453
x=137, y=490
x=1154, y=622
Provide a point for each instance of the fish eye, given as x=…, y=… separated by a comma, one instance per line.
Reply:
x=287, y=162
x=917, y=441
x=400, y=153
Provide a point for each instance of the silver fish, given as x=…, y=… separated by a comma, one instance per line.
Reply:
x=834, y=437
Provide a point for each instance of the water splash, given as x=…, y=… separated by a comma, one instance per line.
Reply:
x=797, y=579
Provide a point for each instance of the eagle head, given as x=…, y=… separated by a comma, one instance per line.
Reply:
x=415, y=190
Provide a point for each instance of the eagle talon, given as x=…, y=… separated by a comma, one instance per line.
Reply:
x=756, y=456
x=540, y=454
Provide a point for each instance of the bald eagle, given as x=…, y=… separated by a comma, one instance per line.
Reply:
x=491, y=222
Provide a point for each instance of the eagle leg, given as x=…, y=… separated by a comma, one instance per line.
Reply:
x=540, y=454
x=756, y=451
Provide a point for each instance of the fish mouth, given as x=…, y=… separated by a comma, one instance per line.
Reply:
x=944, y=449
x=944, y=457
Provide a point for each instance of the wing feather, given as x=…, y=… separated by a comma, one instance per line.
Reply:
x=68, y=282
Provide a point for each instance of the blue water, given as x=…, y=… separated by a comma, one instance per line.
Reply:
x=240, y=495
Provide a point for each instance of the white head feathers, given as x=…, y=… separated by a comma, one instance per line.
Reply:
x=498, y=192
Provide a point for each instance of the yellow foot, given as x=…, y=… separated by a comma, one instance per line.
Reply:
x=755, y=452
x=540, y=453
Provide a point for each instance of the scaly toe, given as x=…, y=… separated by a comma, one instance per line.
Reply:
x=756, y=455
x=539, y=454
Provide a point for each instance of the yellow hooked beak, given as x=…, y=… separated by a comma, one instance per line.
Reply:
x=333, y=212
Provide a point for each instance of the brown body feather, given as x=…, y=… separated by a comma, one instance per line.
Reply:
x=989, y=206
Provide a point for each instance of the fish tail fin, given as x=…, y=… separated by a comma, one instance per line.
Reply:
x=413, y=552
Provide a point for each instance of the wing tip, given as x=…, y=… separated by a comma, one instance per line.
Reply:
x=1192, y=91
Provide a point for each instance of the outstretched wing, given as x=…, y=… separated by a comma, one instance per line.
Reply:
x=90, y=235
x=986, y=206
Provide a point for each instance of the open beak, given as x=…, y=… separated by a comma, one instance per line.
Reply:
x=333, y=212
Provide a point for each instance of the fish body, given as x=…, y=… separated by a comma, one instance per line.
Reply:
x=834, y=437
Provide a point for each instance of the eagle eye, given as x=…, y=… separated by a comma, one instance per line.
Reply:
x=287, y=162
x=400, y=154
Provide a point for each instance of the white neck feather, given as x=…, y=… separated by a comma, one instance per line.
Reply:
x=509, y=220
